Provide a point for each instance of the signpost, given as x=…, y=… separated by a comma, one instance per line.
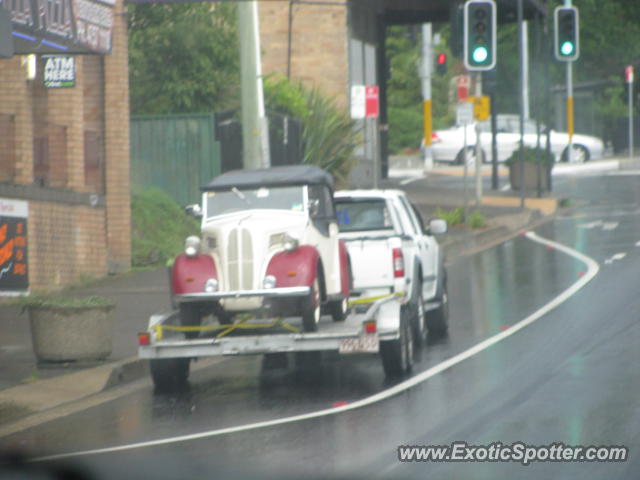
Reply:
x=463, y=82
x=628, y=78
x=464, y=117
x=372, y=102
x=365, y=104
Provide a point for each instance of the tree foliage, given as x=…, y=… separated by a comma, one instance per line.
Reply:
x=183, y=57
x=609, y=32
x=405, y=111
x=329, y=135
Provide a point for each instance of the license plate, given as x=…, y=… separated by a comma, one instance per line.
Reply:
x=363, y=344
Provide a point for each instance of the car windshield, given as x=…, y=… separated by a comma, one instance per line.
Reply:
x=279, y=198
x=354, y=216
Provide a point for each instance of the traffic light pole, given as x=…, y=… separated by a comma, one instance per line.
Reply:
x=427, y=63
x=478, y=82
x=567, y=3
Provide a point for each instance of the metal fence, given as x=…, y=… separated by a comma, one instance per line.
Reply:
x=285, y=140
x=175, y=153
x=180, y=153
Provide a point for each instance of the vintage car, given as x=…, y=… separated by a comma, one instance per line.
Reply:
x=269, y=247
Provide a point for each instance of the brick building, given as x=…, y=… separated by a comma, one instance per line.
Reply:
x=332, y=45
x=64, y=153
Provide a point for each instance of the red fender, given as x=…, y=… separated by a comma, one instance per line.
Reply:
x=345, y=274
x=189, y=274
x=295, y=269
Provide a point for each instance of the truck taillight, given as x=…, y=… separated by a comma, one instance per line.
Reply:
x=398, y=263
x=144, y=339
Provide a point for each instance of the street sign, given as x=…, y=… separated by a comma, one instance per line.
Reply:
x=357, y=102
x=464, y=113
x=481, y=107
x=628, y=74
x=59, y=71
x=463, y=82
x=365, y=101
x=372, y=102
x=14, y=271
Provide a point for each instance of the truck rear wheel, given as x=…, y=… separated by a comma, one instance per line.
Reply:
x=438, y=319
x=311, y=308
x=169, y=374
x=418, y=316
x=397, y=355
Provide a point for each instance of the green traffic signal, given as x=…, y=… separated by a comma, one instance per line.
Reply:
x=480, y=54
x=479, y=35
x=566, y=33
x=567, y=48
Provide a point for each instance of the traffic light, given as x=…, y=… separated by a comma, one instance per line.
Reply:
x=441, y=63
x=566, y=33
x=479, y=35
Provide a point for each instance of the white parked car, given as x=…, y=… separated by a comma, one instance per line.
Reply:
x=448, y=144
x=269, y=245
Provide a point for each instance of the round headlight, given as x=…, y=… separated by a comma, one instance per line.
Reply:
x=192, y=246
x=291, y=242
x=211, y=285
x=269, y=281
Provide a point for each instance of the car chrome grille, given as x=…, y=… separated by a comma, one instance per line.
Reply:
x=240, y=261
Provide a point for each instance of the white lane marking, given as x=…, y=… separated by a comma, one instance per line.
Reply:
x=617, y=256
x=637, y=244
x=506, y=187
x=624, y=173
x=407, y=181
x=606, y=226
x=592, y=271
x=590, y=225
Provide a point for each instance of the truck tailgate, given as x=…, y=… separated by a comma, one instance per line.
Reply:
x=371, y=260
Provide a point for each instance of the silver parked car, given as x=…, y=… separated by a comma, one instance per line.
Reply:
x=448, y=144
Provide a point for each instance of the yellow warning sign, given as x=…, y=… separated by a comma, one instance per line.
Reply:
x=481, y=107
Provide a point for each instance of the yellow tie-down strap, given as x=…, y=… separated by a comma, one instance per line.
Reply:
x=225, y=329
x=364, y=301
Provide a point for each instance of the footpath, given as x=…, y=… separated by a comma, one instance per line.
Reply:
x=27, y=388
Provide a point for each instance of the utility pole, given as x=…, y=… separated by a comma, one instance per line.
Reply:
x=629, y=82
x=255, y=130
x=525, y=62
x=427, y=67
x=521, y=100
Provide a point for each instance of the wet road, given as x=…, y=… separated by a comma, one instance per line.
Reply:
x=570, y=377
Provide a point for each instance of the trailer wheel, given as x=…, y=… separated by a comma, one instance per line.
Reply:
x=397, y=355
x=311, y=308
x=339, y=309
x=169, y=374
x=438, y=319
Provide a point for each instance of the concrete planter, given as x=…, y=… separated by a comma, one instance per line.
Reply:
x=530, y=176
x=71, y=333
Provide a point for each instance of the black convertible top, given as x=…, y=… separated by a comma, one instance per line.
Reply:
x=275, y=176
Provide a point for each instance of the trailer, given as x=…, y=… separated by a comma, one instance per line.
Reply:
x=379, y=325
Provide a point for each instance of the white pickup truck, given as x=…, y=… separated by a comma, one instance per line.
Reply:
x=391, y=250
